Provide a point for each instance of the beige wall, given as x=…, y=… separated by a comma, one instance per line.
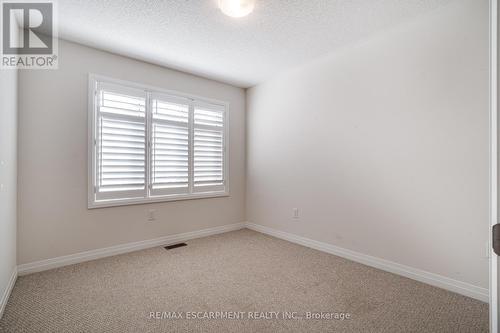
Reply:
x=8, y=175
x=53, y=215
x=383, y=146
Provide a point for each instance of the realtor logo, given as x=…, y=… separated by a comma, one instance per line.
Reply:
x=29, y=39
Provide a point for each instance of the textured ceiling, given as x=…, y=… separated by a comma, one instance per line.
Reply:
x=194, y=36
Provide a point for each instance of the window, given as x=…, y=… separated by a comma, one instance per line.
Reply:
x=148, y=145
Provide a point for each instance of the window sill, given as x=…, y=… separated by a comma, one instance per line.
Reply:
x=142, y=201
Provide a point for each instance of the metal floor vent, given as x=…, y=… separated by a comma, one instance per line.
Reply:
x=174, y=246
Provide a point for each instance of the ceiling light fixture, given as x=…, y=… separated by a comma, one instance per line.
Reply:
x=236, y=8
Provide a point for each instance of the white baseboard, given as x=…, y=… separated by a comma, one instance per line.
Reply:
x=47, y=264
x=7, y=291
x=436, y=280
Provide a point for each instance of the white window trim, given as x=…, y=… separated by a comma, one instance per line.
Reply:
x=92, y=113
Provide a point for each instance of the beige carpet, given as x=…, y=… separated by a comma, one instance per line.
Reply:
x=241, y=271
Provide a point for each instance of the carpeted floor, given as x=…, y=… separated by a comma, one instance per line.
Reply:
x=233, y=274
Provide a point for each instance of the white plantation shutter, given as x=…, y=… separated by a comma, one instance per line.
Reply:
x=170, y=145
x=120, y=143
x=154, y=146
x=208, y=147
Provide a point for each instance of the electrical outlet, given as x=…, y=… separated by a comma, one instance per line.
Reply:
x=151, y=215
x=295, y=213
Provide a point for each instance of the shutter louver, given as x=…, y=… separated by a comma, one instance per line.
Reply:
x=208, y=148
x=120, y=144
x=170, y=145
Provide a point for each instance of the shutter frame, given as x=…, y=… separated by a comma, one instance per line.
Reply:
x=172, y=127
x=96, y=200
x=209, y=138
x=117, y=142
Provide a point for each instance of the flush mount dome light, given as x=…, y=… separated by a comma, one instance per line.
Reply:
x=236, y=8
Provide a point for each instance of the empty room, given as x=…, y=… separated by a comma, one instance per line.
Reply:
x=249, y=166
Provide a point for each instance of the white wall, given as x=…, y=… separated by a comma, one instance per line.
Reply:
x=8, y=177
x=53, y=215
x=383, y=146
